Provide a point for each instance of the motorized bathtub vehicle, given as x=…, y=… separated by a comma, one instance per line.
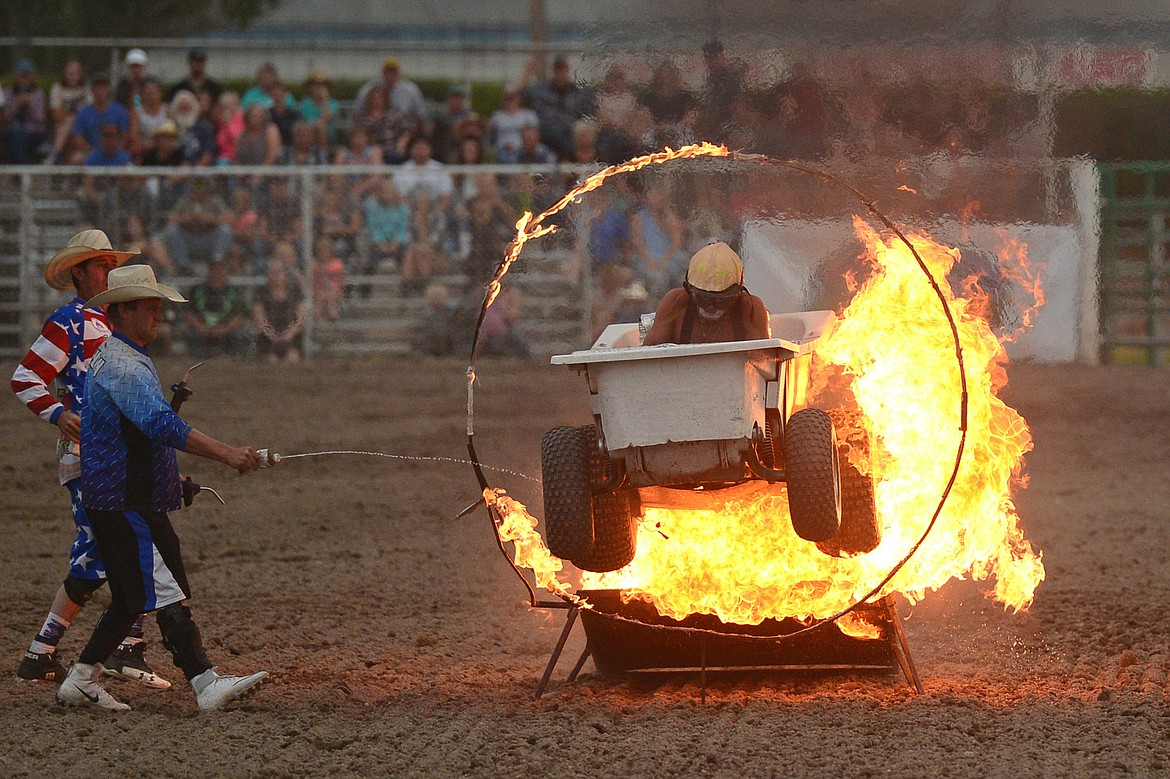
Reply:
x=693, y=425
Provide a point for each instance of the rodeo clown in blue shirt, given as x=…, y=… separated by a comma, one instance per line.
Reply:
x=130, y=480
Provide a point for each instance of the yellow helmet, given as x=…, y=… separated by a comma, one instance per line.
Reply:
x=715, y=268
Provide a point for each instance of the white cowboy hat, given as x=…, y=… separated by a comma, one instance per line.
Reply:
x=84, y=246
x=133, y=282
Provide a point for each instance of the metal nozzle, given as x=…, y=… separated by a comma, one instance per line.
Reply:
x=268, y=459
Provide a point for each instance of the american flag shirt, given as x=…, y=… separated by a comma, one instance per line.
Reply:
x=129, y=434
x=60, y=356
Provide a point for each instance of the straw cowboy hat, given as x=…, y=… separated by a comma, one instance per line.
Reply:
x=133, y=282
x=84, y=246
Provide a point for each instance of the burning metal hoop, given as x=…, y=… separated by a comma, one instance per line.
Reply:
x=530, y=227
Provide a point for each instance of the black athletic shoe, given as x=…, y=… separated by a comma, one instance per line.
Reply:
x=128, y=662
x=40, y=668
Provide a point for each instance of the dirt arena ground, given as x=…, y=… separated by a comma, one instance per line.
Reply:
x=400, y=644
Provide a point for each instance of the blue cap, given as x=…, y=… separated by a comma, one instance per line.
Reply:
x=24, y=66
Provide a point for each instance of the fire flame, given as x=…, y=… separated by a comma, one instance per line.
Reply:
x=743, y=562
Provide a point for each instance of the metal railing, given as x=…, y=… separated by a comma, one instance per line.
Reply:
x=1135, y=262
x=41, y=207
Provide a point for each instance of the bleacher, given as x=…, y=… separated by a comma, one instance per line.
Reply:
x=32, y=228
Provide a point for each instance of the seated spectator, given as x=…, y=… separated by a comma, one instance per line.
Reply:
x=585, y=151
x=108, y=154
x=505, y=125
x=259, y=143
x=164, y=149
x=199, y=226
x=444, y=121
x=319, y=108
x=245, y=226
x=24, y=117
x=278, y=312
x=66, y=97
x=500, y=335
x=151, y=113
x=387, y=127
x=658, y=240
x=216, y=322
x=280, y=214
x=387, y=219
x=532, y=151
x=402, y=94
x=283, y=114
x=491, y=227
x=125, y=204
x=284, y=254
x=359, y=151
x=558, y=102
x=621, y=120
x=304, y=149
x=673, y=111
x=129, y=90
x=328, y=281
x=261, y=93
x=425, y=255
x=229, y=126
x=197, y=79
x=420, y=171
x=165, y=153
x=434, y=333
x=92, y=118
x=338, y=220
x=196, y=132
x=471, y=152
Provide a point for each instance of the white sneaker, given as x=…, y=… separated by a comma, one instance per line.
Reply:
x=213, y=691
x=80, y=688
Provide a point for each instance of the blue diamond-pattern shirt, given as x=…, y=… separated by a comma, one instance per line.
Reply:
x=129, y=434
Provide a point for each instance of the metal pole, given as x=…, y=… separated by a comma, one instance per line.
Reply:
x=307, y=258
x=25, y=304
x=560, y=647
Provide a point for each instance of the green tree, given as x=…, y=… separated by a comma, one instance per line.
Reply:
x=119, y=19
x=128, y=18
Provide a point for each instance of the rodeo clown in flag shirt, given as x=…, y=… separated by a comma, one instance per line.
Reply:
x=61, y=356
x=130, y=480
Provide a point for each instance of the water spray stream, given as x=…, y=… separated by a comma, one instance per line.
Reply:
x=418, y=458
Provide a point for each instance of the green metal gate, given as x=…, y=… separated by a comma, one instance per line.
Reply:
x=1135, y=262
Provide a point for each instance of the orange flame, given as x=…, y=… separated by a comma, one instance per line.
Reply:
x=743, y=562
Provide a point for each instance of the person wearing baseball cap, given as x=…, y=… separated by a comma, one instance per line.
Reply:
x=712, y=305
x=197, y=79
x=401, y=92
x=130, y=480
x=128, y=92
x=61, y=355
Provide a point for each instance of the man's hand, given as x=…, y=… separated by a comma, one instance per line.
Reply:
x=244, y=459
x=70, y=425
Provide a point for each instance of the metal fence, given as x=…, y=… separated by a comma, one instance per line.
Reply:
x=1135, y=262
x=331, y=230
x=382, y=260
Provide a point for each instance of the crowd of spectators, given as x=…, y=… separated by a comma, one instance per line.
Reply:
x=423, y=222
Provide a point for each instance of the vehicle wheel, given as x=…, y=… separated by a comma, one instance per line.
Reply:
x=568, y=510
x=814, y=481
x=771, y=455
x=615, y=534
x=860, y=531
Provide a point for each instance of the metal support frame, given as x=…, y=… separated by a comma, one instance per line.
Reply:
x=893, y=635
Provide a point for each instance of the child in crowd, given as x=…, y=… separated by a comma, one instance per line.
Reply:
x=328, y=281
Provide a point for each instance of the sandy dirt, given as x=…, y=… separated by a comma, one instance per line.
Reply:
x=400, y=643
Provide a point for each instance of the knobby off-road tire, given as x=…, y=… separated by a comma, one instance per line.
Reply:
x=814, y=487
x=568, y=510
x=593, y=531
x=860, y=531
x=615, y=535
